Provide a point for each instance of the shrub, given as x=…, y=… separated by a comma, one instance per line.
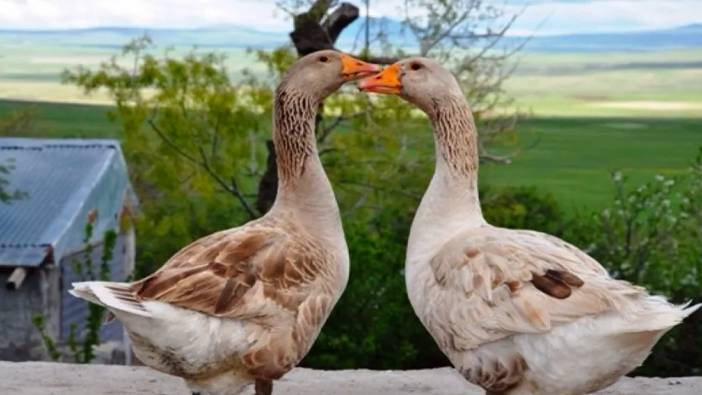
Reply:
x=651, y=235
x=522, y=208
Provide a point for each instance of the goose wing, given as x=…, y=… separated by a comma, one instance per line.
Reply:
x=258, y=272
x=490, y=283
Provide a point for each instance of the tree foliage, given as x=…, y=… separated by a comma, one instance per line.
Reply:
x=192, y=140
x=7, y=194
x=651, y=235
x=17, y=123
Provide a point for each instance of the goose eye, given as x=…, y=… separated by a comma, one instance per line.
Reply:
x=415, y=66
x=323, y=59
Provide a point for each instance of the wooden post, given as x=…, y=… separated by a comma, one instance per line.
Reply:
x=16, y=278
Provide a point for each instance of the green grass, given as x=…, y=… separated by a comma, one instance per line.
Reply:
x=574, y=157
x=55, y=120
x=571, y=157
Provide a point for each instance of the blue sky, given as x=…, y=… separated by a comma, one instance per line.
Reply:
x=541, y=17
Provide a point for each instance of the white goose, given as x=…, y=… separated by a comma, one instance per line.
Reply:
x=516, y=311
x=245, y=305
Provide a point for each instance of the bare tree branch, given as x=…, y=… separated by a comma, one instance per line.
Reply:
x=326, y=130
x=232, y=188
x=170, y=143
x=205, y=165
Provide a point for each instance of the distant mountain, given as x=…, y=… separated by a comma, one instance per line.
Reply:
x=678, y=38
x=395, y=32
x=224, y=36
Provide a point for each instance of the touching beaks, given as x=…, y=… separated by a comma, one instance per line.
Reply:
x=354, y=69
x=387, y=81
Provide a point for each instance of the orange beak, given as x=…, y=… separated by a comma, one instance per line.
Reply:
x=388, y=81
x=353, y=69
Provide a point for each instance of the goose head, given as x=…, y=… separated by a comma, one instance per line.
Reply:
x=421, y=81
x=321, y=73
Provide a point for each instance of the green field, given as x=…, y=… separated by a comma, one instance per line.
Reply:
x=571, y=157
x=638, y=84
x=588, y=113
x=34, y=73
x=574, y=157
x=665, y=84
x=58, y=120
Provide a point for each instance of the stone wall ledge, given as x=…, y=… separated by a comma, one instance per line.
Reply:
x=44, y=378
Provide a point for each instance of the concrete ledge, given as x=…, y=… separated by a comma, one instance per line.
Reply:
x=42, y=378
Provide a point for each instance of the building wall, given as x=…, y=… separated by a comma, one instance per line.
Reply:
x=39, y=294
x=45, y=291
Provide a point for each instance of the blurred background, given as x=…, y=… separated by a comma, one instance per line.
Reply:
x=590, y=121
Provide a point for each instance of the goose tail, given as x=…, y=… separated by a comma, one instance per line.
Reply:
x=663, y=315
x=687, y=310
x=117, y=297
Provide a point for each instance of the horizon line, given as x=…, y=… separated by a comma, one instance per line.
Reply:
x=522, y=32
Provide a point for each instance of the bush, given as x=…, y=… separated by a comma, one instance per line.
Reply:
x=522, y=208
x=373, y=325
x=651, y=235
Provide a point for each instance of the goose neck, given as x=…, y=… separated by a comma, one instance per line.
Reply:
x=451, y=202
x=304, y=191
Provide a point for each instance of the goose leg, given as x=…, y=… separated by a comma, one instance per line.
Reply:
x=264, y=387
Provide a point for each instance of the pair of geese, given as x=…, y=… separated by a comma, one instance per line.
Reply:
x=515, y=311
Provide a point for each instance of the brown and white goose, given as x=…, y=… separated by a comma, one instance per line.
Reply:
x=516, y=311
x=245, y=305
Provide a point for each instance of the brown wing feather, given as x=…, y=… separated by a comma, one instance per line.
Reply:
x=556, y=283
x=219, y=274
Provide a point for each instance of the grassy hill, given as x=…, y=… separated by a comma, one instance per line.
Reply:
x=60, y=120
x=573, y=157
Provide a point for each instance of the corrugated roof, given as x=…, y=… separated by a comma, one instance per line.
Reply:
x=64, y=180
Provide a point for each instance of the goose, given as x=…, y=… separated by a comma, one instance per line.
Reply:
x=515, y=311
x=243, y=306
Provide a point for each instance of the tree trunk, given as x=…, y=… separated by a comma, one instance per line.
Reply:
x=268, y=186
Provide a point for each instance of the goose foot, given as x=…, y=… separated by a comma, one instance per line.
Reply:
x=264, y=387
